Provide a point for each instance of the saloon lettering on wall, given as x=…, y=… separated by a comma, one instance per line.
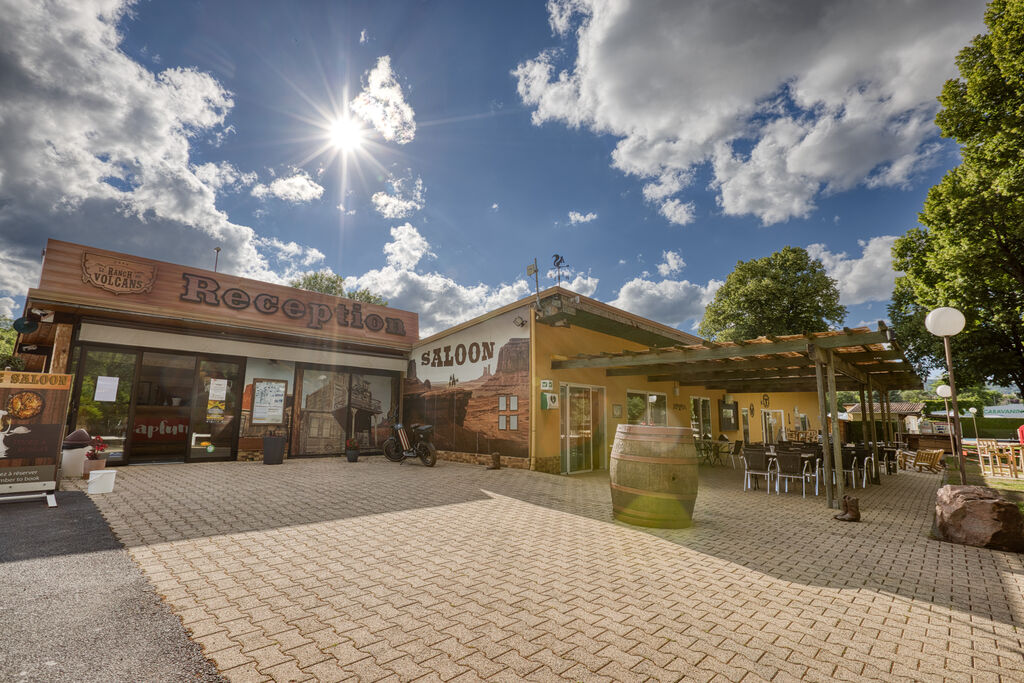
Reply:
x=444, y=357
x=202, y=289
x=119, y=276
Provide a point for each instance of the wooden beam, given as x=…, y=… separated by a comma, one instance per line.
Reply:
x=823, y=420
x=707, y=367
x=698, y=354
x=61, y=348
x=837, y=445
x=871, y=412
x=834, y=361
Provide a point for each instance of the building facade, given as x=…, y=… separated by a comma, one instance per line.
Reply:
x=173, y=363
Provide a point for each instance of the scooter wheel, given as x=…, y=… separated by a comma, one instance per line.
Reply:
x=427, y=453
x=391, y=450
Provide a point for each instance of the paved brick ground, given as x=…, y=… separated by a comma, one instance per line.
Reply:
x=326, y=570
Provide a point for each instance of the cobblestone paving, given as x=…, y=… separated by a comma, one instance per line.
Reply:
x=327, y=570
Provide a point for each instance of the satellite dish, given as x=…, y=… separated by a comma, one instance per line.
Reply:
x=25, y=325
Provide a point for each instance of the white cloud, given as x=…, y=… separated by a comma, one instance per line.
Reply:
x=6, y=307
x=577, y=217
x=297, y=188
x=407, y=247
x=363, y=37
x=382, y=105
x=670, y=302
x=800, y=98
x=96, y=149
x=677, y=211
x=868, y=278
x=494, y=206
x=441, y=301
x=223, y=175
x=407, y=197
x=672, y=264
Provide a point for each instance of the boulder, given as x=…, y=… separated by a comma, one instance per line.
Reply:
x=978, y=516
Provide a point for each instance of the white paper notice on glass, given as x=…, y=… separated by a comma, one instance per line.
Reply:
x=218, y=389
x=106, y=388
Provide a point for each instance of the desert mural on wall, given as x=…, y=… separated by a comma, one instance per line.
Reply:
x=473, y=386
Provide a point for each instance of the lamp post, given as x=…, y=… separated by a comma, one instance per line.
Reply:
x=945, y=392
x=974, y=416
x=945, y=322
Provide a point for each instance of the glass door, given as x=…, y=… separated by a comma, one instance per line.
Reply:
x=104, y=399
x=163, y=407
x=215, y=405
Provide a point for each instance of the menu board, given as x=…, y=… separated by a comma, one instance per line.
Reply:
x=268, y=401
x=33, y=410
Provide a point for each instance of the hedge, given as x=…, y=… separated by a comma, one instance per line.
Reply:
x=988, y=428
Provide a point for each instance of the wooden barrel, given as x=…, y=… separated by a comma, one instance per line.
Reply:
x=653, y=473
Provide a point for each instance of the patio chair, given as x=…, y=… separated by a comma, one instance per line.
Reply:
x=791, y=466
x=850, y=466
x=757, y=463
x=1005, y=462
x=929, y=459
x=905, y=458
x=865, y=460
x=736, y=452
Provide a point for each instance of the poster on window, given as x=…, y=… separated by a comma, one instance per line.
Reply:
x=106, y=388
x=33, y=410
x=218, y=389
x=268, y=401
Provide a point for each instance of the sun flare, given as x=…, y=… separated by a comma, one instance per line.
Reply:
x=346, y=134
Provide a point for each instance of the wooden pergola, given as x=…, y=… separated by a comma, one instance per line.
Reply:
x=852, y=359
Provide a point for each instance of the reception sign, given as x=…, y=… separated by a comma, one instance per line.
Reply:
x=33, y=411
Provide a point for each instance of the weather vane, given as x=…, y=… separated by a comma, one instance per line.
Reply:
x=559, y=263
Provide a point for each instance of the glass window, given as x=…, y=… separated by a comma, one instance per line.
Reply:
x=513, y=422
x=501, y=403
x=106, y=414
x=163, y=407
x=700, y=416
x=646, y=408
x=513, y=403
x=501, y=422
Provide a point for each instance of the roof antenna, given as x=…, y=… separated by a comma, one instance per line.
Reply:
x=532, y=270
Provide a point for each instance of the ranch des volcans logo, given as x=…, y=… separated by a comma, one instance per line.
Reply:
x=117, y=275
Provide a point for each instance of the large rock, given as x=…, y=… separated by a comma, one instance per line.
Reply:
x=978, y=516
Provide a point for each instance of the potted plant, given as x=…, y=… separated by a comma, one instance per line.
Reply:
x=352, y=450
x=95, y=459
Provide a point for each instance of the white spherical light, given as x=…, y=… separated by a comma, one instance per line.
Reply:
x=945, y=322
x=943, y=391
x=972, y=410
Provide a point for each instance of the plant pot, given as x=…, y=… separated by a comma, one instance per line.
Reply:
x=352, y=456
x=91, y=465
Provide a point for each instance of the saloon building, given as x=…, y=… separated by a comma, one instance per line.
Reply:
x=176, y=363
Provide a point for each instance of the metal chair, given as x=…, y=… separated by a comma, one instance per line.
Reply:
x=791, y=466
x=736, y=452
x=757, y=463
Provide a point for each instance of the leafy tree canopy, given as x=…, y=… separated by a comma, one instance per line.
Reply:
x=326, y=282
x=8, y=338
x=968, y=252
x=785, y=293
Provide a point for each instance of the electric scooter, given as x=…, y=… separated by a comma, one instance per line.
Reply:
x=399, y=447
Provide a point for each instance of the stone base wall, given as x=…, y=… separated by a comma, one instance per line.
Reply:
x=483, y=459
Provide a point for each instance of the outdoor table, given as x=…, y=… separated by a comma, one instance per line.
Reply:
x=710, y=452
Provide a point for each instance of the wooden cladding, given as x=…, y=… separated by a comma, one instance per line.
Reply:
x=85, y=276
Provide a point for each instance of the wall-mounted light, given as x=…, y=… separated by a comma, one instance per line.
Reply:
x=518, y=321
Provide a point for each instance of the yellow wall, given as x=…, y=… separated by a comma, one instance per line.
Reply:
x=545, y=444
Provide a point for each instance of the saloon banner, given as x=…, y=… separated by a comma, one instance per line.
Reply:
x=33, y=410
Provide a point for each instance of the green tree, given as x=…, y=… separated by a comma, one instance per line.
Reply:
x=968, y=252
x=326, y=282
x=785, y=293
x=8, y=338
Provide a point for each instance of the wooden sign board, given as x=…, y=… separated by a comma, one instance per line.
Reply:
x=77, y=274
x=33, y=412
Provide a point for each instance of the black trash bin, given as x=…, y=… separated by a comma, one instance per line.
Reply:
x=273, y=450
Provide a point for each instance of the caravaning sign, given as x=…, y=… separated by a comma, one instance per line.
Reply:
x=33, y=410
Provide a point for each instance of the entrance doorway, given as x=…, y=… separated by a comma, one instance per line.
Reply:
x=583, y=428
x=773, y=426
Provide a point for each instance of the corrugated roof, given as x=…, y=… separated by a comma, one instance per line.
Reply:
x=896, y=407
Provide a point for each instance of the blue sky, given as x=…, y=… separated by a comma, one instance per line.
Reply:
x=652, y=144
